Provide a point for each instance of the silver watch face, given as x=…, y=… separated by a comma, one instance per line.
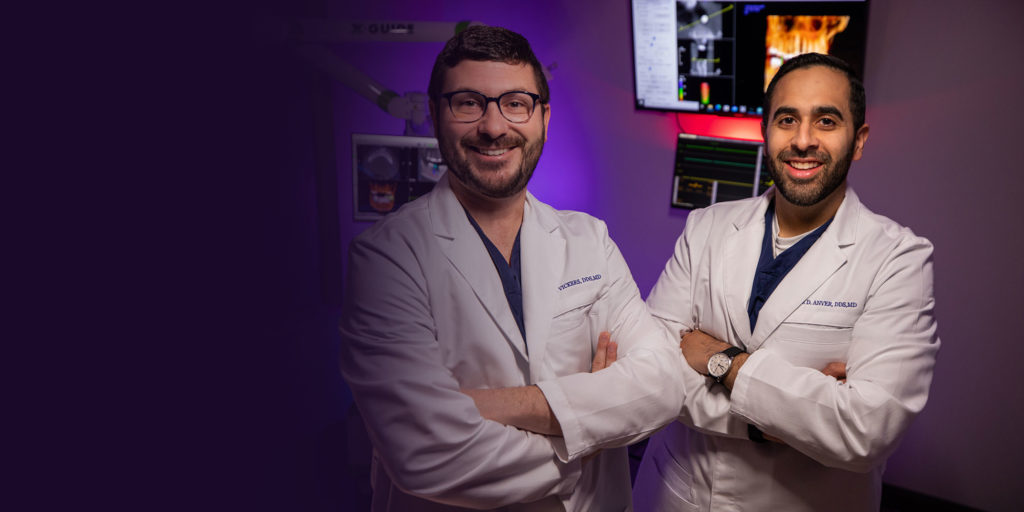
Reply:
x=718, y=365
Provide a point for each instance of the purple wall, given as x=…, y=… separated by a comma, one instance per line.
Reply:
x=944, y=86
x=944, y=92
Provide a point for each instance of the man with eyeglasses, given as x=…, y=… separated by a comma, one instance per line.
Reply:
x=478, y=301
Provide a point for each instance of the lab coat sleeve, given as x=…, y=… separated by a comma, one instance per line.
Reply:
x=635, y=396
x=856, y=425
x=430, y=437
x=705, y=408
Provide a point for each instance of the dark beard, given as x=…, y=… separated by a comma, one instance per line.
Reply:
x=461, y=168
x=831, y=177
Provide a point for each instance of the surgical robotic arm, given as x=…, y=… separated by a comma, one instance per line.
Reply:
x=308, y=36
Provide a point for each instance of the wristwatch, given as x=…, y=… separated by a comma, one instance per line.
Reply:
x=719, y=364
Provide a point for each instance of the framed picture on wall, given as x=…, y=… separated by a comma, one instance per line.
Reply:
x=391, y=170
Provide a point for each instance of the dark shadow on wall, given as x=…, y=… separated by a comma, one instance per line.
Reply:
x=898, y=499
x=343, y=455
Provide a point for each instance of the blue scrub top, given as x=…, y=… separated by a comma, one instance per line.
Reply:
x=509, y=272
x=770, y=269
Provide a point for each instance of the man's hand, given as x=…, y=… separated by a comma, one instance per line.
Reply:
x=607, y=352
x=835, y=369
x=698, y=347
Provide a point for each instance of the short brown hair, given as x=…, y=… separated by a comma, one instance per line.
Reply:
x=485, y=43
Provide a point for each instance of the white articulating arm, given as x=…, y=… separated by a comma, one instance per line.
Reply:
x=339, y=31
x=308, y=35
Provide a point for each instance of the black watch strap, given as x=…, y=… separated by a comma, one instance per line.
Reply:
x=732, y=352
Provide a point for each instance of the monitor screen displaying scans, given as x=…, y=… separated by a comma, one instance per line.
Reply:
x=389, y=171
x=718, y=57
x=710, y=170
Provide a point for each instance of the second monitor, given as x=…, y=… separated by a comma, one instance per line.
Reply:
x=710, y=170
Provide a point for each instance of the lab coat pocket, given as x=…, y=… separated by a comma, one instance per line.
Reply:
x=662, y=483
x=811, y=345
x=568, y=346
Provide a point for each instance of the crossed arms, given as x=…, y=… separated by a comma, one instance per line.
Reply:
x=851, y=424
x=407, y=368
x=525, y=407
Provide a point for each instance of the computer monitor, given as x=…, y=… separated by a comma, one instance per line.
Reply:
x=390, y=170
x=710, y=170
x=718, y=57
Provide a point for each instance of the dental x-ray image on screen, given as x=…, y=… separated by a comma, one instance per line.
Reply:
x=389, y=171
x=718, y=57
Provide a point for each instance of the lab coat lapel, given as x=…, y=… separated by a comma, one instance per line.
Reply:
x=736, y=267
x=823, y=259
x=466, y=251
x=542, y=249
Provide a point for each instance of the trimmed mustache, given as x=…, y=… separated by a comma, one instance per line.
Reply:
x=505, y=142
x=796, y=153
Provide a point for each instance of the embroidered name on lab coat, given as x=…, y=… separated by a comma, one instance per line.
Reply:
x=830, y=303
x=581, y=280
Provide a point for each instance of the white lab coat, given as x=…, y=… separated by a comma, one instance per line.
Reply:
x=425, y=315
x=862, y=294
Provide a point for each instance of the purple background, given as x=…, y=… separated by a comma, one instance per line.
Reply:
x=944, y=85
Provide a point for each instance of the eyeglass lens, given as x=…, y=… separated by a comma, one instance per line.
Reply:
x=469, y=106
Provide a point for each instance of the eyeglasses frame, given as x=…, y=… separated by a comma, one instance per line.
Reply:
x=487, y=102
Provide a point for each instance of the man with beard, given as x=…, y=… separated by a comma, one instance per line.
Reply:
x=811, y=317
x=477, y=300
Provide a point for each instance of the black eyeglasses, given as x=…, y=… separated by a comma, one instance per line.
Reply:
x=470, y=106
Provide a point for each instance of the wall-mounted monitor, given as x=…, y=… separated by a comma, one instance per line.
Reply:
x=391, y=170
x=710, y=170
x=718, y=57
